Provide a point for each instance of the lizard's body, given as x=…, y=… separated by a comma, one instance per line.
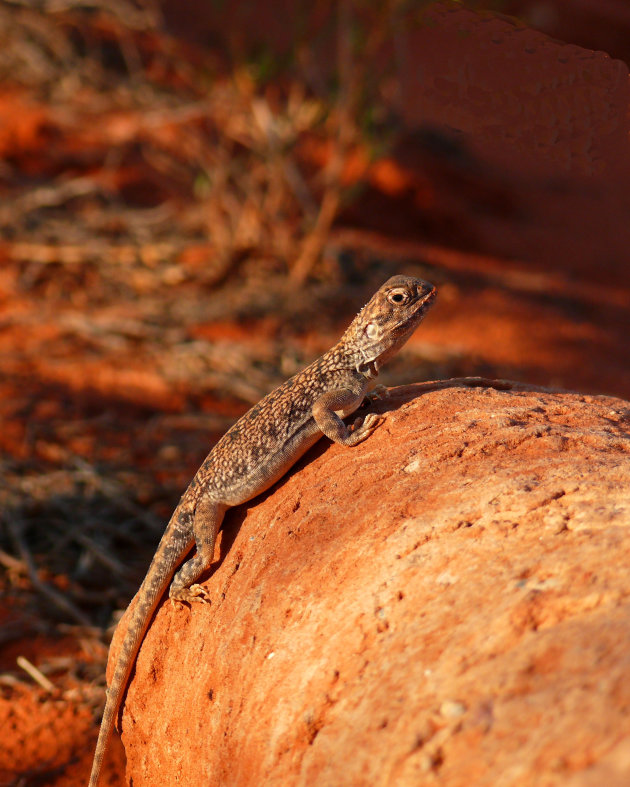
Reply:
x=258, y=450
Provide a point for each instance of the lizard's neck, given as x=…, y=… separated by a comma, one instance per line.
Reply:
x=351, y=355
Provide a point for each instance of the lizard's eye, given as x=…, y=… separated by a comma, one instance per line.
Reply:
x=397, y=297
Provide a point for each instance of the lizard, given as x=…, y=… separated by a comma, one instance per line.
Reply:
x=257, y=451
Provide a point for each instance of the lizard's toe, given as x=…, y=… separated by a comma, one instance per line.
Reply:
x=379, y=392
x=363, y=427
x=371, y=421
x=188, y=595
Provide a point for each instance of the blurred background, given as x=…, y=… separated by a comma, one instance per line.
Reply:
x=195, y=199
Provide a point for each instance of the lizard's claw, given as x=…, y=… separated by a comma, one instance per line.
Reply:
x=188, y=595
x=370, y=422
x=363, y=427
x=378, y=392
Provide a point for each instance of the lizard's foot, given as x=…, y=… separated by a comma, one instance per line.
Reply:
x=378, y=392
x=188, y=595
x=363, y=427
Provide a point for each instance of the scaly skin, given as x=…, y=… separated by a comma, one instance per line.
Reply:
x=258, y=450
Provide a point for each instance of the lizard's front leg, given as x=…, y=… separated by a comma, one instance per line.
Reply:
x=343, y=399
x=207, y=518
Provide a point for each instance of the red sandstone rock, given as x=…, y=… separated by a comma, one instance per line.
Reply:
x=446, y=603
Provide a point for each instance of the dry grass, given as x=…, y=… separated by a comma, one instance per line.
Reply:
x=147, y=189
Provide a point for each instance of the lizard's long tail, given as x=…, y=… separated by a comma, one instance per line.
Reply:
x=174, y=545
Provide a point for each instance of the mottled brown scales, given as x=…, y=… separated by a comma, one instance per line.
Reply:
x=258, y=450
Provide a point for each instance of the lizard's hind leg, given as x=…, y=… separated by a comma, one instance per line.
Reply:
x=207, y=519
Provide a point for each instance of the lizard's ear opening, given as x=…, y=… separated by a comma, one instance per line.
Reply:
x=372, y=331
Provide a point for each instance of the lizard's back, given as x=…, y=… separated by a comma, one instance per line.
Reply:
x=259, y=448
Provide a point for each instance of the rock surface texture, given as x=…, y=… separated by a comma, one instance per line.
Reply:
x=447, y=603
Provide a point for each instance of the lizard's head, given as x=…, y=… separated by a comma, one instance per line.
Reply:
x=390, y=317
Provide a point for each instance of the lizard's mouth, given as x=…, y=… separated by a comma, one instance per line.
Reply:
x=427, y=300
